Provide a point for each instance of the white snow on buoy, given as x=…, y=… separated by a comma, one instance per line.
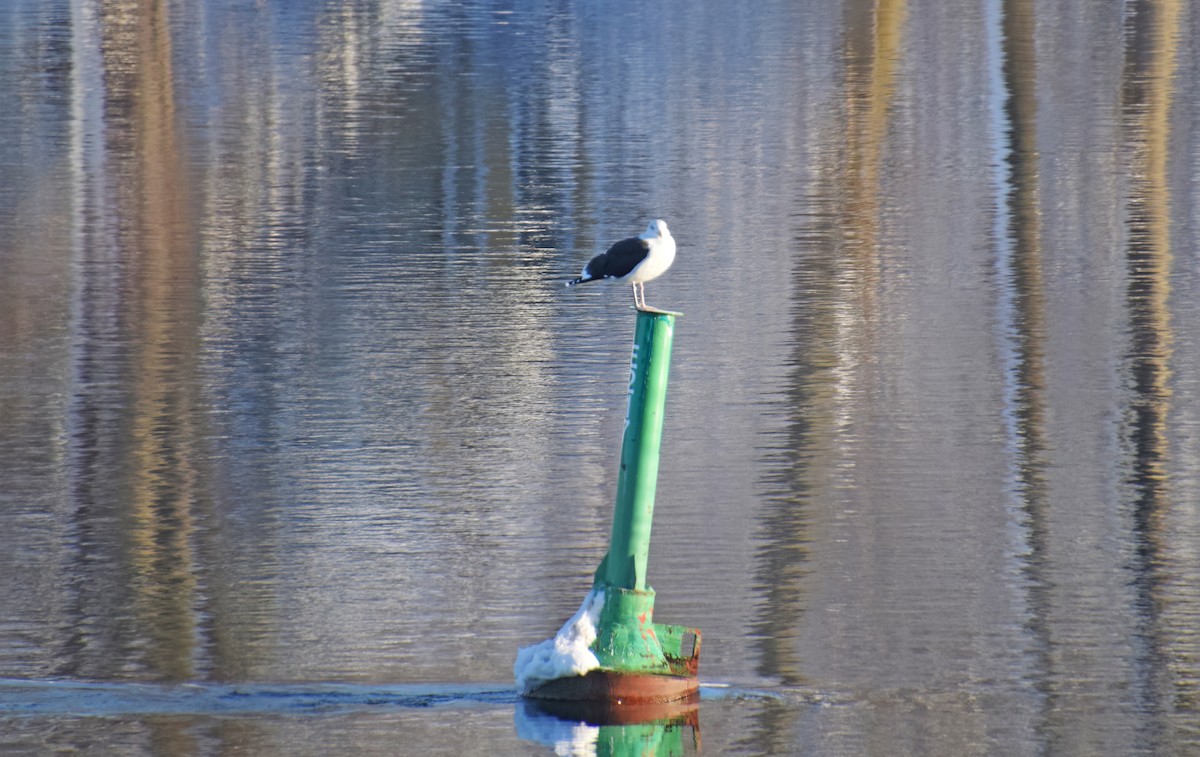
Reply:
x=567, y=654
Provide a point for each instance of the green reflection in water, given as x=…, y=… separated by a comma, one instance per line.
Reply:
x=575, y=728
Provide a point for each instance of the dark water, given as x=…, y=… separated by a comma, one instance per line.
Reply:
x=301, y=438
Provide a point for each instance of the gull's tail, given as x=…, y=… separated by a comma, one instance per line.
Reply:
x=580, y=280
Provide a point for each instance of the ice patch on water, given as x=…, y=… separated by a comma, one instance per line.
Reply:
x=567, y=654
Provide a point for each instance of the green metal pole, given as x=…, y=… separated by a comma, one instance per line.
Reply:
x=640, y=660
x=627, y=638
x=638, y=478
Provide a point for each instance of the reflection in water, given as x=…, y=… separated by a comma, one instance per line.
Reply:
x=165, y=484
x=1165, y=576
x=1022, y=319
x=667, y=730
x=132, y=418
x=137, y=285
x=837, y=278
x=836, y=284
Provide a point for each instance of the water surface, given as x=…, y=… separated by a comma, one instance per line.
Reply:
x=292, y=398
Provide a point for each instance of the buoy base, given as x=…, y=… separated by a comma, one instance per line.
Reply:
x=617, y=688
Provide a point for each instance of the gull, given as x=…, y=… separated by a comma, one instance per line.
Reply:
x=635, y=260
